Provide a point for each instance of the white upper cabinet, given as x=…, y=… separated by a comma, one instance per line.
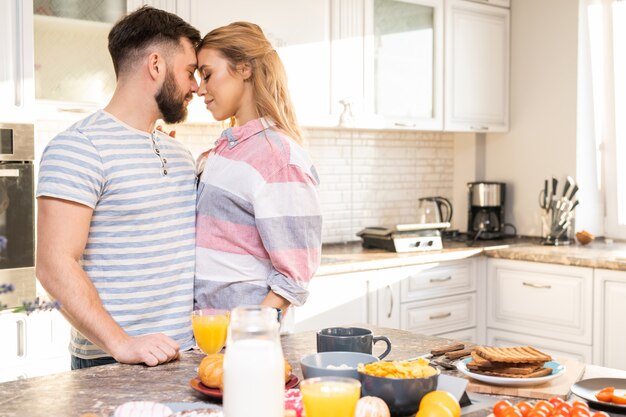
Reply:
x=477, y=67
x=16, y=67
x=387, y=63
x=300, y=32
x=403, y=65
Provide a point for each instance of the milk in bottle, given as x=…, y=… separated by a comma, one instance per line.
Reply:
x=254, y=368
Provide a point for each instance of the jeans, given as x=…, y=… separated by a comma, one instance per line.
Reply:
x=79, y=363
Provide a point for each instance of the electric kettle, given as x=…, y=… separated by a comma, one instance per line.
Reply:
x=434, y=210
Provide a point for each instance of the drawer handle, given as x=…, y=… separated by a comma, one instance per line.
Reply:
x=448, y=278
x=21, y=338
x=440, y=316
x=391, y=304
x=542, y=286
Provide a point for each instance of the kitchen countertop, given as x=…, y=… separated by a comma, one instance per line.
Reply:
x=101, y=389
x=352, y=257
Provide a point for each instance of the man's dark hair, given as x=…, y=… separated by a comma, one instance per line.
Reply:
x=144, y=27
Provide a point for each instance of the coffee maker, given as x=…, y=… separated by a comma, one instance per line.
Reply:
x=486, y=210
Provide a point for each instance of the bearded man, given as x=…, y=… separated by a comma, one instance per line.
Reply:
x=116, y=204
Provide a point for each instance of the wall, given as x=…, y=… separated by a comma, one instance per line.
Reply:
x=542, y=138
x=368, y=177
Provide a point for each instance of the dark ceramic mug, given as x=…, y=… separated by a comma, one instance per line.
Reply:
x=349, y=339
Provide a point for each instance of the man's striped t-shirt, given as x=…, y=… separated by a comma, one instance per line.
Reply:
x=140, y=249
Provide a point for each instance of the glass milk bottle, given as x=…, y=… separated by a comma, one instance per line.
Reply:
x=254, y=368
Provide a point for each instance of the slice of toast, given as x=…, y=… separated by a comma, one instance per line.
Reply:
x=535, y=374
x=480, y=361
x=519, y=354
x=517, y=370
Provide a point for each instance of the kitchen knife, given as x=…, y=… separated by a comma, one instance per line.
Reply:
x=574, y=191
x=555, y=184
x=568, y=183
x=545, y=195
x=574, y=205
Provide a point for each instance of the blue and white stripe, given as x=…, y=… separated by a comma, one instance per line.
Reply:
x=140, y=253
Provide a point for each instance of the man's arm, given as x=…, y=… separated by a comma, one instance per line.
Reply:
x=62, y=231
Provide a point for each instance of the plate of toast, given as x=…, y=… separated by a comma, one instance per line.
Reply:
x=514, y=366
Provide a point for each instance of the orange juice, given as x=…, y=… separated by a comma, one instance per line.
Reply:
x=330, y=397
x=209, y=329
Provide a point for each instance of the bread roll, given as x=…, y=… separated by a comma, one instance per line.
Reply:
x=211, y=370
x=287, y=371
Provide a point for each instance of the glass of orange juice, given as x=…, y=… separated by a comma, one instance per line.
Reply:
x=330, y=396
x=209, y=328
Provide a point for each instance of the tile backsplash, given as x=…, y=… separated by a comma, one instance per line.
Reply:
x=368, y=177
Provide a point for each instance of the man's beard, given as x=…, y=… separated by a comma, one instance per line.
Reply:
x=171, y=103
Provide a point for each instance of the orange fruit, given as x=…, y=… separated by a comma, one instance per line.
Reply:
x=443, y=398
x=434, y=410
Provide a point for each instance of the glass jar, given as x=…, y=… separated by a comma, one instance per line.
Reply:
x=254, y=366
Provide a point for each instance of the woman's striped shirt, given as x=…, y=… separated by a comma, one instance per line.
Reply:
x=259, y=222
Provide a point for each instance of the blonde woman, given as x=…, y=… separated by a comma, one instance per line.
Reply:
x=258, y=225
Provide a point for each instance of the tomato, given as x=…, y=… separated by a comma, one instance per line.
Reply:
x=562, y=408
x=580, y=404
x=543, y=404
x=599, y=414
x=605, y=396
x=500, y=407
x=524, y=408
x=618, y=399
x=609, y=389
x=555, y=401
x=537, y=413
x=579, y=412
x=512, y=412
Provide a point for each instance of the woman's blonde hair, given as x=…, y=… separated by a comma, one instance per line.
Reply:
x=245, y=43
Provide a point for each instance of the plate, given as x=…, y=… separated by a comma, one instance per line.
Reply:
x=217, y=393
x=587, y=389
x=557, y=371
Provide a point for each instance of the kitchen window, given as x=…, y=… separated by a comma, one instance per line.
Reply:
x=606, y=67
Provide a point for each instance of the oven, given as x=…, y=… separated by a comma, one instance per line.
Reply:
x=17, y=212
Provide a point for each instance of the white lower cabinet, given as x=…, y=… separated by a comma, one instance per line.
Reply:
x=33, y=345
x=544, y=305
x=434, y=299
x=334, y=300
x=610, y=310
x=467, y=335
x=439, y=315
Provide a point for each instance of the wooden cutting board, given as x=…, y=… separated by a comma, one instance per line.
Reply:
x=558, y=387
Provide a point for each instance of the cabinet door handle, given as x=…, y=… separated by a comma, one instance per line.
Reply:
x=18, y=65
x=391, y=303
x=532, y=285
x=21, y=338
x=404, y=124
x=440, y=316
x=481, y=128
x=448, y=278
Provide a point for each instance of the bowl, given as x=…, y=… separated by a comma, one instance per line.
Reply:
x=402, y=395
x=317, y=364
